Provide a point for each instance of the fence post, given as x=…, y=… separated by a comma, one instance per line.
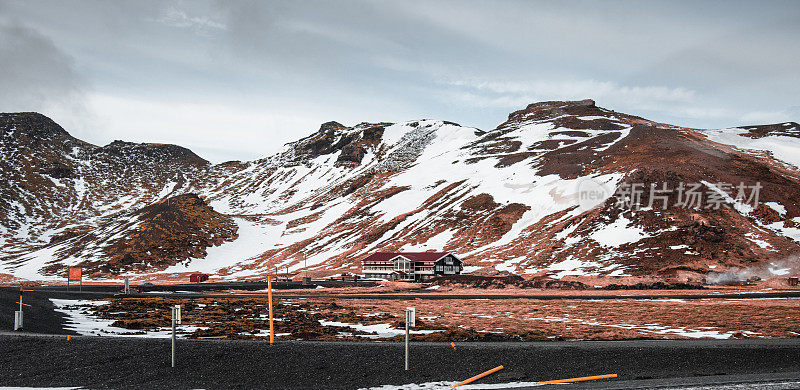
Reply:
x=410, y=321
x=173, y=337
x=176, y=319
x=406, y=340
x=18, y=315
x=269, y=297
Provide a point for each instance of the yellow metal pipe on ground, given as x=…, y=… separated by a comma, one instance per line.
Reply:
x=269, y=297
x=581, y=379
x=479, y=376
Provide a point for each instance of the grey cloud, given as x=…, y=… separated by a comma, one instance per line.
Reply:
x=175, y=17
x=701, y=64
x=35, y=72
x=36, y=75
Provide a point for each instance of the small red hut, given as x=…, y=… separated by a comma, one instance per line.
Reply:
x=197, y=277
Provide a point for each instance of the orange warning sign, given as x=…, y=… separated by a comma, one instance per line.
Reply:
x=74, y=274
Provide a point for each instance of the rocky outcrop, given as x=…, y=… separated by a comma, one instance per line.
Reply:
x=149, y=239
x=786, y=129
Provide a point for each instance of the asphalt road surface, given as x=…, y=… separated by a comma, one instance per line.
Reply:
x=41, y=356
x=111, y=362
x=39, y=317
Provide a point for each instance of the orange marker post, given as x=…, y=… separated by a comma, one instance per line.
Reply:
x=269, y=297
x=19, y=314
x=581, y=379
x=452, y=344
x=479, y=376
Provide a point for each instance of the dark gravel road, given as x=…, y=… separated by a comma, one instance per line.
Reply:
x=39, y=316
x=106, y=362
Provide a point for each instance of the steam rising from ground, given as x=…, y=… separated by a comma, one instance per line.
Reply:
x=785, y=267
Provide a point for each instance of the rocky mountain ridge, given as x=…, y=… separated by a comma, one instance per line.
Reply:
x=508, y=200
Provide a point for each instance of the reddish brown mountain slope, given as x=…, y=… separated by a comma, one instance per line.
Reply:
x=506, y=200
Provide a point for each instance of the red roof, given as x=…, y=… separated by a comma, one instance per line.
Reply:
x=413, y=256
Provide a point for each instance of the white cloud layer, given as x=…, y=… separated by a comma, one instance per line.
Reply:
x=237, y=79
x=213, y=131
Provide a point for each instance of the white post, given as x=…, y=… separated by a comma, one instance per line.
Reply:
x=127, y=288
x=17, y=320
x=410, y=321
x=407, y=313
x=173, y=337
x=176, y=319
x=18, y=314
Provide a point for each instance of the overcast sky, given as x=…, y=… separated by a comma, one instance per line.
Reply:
x=238, y=79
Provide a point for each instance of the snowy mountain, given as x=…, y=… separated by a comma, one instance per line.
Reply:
x=560, y=188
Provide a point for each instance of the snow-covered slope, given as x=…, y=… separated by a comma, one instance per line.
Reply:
x=782, y=140
x=507, y=200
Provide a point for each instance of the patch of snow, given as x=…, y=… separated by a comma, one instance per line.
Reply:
x=754, y=238
x=30, y=265
x=254, y=239
x=574, y=267
x=381, y=330
x=791, y=232
x=566, y=232
x=169, y=188
x=779, y=271
x=437, y=242
x=618, y=272
x=509, y=265
x=470, y=268
x=779, y=208
x=618, y=233
x=782, y=147
x=79, y=321
x=705, y=332
x=742, y=208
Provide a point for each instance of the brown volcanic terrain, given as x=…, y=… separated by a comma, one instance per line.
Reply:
x=505, y=200
x=56, y=184
x=458, y=320
x=151, y=238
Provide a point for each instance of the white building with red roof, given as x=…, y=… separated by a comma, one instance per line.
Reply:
x=410, y=266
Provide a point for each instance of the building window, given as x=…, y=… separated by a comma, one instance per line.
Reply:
x=402, y=265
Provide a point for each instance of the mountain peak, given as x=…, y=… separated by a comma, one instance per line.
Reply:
x=555, y=108
x=31, y=124
x=564, y=103
x=158, y=151
x=331, y=126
